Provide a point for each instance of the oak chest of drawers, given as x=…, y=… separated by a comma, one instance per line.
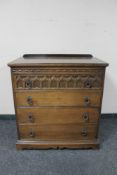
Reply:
x=57, y=100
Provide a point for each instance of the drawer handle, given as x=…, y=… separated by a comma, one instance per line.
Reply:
x=29, y=100
x=29, y=84
x=31, y=134
x=88, y=84
x=84, y=132
x=86, y=100
x=85, y=116
x=30, y=117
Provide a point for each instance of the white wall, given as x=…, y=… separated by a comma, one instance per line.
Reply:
x=58, y=26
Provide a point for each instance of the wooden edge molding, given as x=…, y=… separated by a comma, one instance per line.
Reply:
x=84, y=144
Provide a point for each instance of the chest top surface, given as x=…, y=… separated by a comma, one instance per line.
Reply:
x=57, y=60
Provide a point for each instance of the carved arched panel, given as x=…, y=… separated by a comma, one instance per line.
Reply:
x=36, y=83
x=61, y=81
x=19, y=83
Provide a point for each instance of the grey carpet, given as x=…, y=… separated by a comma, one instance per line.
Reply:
x=59, y=162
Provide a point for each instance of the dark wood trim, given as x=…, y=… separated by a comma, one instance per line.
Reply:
x=28, y=56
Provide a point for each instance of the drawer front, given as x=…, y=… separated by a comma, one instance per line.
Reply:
x=77, y=79
x=57, y=115
x=59, y=98
x=58, y=132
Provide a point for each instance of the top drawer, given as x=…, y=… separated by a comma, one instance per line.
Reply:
x=58, y=78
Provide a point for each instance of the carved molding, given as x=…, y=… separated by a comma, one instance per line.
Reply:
x=56, y=70
x=58, y=81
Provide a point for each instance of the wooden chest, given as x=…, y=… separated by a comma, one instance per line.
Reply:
x=57, y=100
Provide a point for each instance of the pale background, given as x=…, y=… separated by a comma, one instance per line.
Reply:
x=58, y=26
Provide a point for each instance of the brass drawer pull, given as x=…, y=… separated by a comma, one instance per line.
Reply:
x=30, y=117
x=31, y=134
x=86, y=100
x=85, y=116
x=84, y=132
x=28, y=84
x=29, y=100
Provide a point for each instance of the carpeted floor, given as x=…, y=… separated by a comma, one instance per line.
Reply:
x=59, y=162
